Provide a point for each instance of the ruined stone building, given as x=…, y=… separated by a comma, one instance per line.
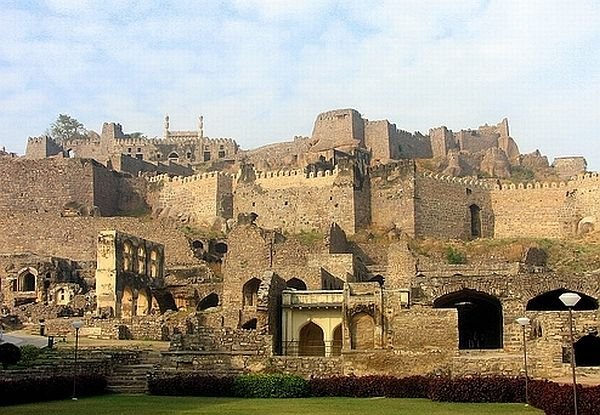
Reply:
x=310, y=256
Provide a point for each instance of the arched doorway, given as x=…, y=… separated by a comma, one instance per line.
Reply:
x=479, y=318
x=26, y=281
x=296, y=284
x=549, y=301
x=587, y=351
x=311, y=340
x=475, y=212
x=211, y=300
x=250, y=292
x=362, y=332
x=336, y=345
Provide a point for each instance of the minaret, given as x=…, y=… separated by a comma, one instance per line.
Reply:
x=201, y=126
x=166, y=133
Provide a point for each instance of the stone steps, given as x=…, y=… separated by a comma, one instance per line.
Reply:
x=133, y=379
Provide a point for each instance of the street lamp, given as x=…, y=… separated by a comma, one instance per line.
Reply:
x=524, y=321
x=569, y=300
x=77, y=324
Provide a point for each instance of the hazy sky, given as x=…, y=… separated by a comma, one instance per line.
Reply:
x=260, y=71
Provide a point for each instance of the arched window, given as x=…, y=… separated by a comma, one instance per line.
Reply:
x=311, y=340
x=154, y=264
x=549, y=301
x=221, y=248
x=211, y=300
x=362, y=332
x=250, y=292
x=475, y=212
x=173, y=156
x=479, y=318
x=127, y=256
x=296, y=284
x=141, y=260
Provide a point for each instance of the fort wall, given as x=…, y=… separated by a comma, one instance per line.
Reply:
x=75, y=237
x=532, y=210
x=443, y=207
x=46, y=185
x=197, y=197
x=392, y=196
x=42, y=147
x=378, y=138
x=295, y=201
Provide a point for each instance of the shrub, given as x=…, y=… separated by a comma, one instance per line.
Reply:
x=190, y=384
x=49, y=388
x=477, y=389
x=9, y=354
x=29, y=354
x=270, y=386
x=454, y=256
x=370, y=386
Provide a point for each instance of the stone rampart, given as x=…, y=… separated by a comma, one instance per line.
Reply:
x=295, y=202
x=75, y=237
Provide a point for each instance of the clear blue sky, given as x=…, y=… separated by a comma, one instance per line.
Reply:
x=260, y=71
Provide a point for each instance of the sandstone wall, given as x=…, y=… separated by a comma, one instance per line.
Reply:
x=45, y=185
x=392, y=196
x=531, y=211
x=197, y=197
x=292, y=201
x=75, y=237
x=442, y=207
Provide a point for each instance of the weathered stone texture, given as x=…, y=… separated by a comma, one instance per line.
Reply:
x=75, y=237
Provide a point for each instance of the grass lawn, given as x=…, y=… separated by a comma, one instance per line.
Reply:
x=151, y=405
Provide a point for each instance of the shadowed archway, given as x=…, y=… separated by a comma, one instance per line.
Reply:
x=549, y=301
x=479, y=318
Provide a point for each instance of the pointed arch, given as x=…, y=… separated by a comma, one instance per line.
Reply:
x=311, y=341
x=587, y=351
x=144, y=303
x=250, y=292
x=296, y=284
x=479, y=318
x=549, y=301
x=211, y=300
x=127, y=305
x=26, y=280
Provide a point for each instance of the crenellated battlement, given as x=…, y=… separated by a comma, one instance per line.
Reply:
x=471, y=181
x=189, y=179
x=531, y=185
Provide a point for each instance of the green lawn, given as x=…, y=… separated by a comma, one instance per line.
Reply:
x=152, y=405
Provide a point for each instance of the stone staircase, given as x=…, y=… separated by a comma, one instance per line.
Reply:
x=133, y=378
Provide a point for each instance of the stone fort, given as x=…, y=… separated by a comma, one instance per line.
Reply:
x=305, y=256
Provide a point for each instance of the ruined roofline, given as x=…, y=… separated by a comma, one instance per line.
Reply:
x=187, y=179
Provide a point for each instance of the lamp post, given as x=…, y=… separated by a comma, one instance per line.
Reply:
x=77, y=324
x=569, y=300
x=523, y=322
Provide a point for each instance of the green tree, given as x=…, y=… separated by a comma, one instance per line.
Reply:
x=66, y=128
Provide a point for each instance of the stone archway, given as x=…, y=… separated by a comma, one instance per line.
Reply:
x=479, y=318
x=311, y=340
x=211, y=300
x=587, y=351
x=127, y=305
x=26, y=281
x=296, y=284
x=144, y=303
x=549, y=301
x=250, y=292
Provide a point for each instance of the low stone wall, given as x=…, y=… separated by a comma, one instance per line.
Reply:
x=307, y=366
